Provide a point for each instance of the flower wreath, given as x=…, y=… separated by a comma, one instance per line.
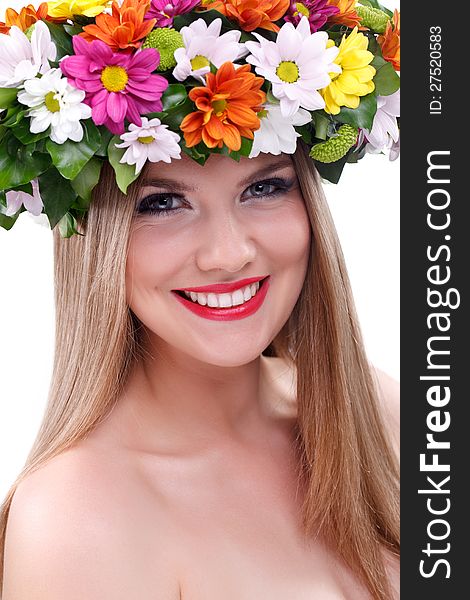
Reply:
x=85, y=81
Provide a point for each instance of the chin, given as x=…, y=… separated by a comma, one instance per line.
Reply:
x=229, y=356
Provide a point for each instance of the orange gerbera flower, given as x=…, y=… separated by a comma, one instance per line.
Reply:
x=251, y=14
x=124, y=28
x=347, y=14
x=227, y=108
x=27, y=16
x=390, y=41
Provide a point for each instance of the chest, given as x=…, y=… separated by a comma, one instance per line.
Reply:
x=236, y=534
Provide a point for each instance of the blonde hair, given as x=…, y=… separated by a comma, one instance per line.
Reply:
x=346, y=465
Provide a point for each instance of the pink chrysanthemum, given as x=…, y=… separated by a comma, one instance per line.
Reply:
x=166, y=10
x=317, y=12
x=118, y=85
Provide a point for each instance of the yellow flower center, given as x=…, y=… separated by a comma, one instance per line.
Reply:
x=114, y=78
x=147, y=139
x=51, y=103
x=219, y=106
x=301, y=10
x=288, y=71
x=199, y=61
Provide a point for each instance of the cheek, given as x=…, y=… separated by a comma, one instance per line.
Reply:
x=154, y=258
x=289, y=236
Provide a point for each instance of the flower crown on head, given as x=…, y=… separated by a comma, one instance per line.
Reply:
x=130, y=81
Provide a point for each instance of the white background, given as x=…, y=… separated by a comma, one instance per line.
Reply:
x=365, y=206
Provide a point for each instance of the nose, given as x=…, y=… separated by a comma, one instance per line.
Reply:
x=226, y=243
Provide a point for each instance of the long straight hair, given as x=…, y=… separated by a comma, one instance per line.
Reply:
x=345, y=462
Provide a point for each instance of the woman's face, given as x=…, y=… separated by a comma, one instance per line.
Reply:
x=221, y=223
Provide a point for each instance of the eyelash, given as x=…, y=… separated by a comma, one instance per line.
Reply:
x=145, y=207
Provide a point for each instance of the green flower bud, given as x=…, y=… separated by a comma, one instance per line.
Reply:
x=336, y=147
x=166, y=40
x=373, y=18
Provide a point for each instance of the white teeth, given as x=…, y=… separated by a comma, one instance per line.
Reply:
x=212, y=300
x=237, y=298
x=224, y=300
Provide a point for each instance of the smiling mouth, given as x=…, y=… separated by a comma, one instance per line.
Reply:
x=224, y=301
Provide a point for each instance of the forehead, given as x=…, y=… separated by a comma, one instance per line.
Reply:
x=218, y=170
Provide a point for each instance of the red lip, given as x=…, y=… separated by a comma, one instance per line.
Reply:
x=227, y=314
x=221, y=288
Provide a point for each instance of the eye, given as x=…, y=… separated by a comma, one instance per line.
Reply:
x=159, y=204
x=269, y=187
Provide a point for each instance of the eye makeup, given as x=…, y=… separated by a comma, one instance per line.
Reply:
x=149, y=205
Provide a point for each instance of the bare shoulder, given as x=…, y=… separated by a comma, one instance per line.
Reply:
x=389, y=396
x=70, y=536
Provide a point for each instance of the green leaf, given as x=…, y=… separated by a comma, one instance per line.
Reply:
x=83, y=20
x=174, y=95
x=306, y=133
x=373, y=45
x=73, y=29
x=246, y=146
x=106, y=136
x=199, y=153
x=363, y=115
x=207, y=15
x=19, y=164
x=321, y=122
x=386, y=80
x=88, y=177
x=57, y=195
x=8, y=97
x=80, y=206
x=62, y=41
x=67, y=225
x=247, y=36
x=356, y=154
x=125, y=174
x=13, y=115
x=70, y=157
x=176, y=115
x=331, y=171
x=23, y=133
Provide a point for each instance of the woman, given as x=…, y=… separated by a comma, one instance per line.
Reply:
x=214, y=428
x=175, y=459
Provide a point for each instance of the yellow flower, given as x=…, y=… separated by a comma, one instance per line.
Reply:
x=355, y=79
x=65, y=9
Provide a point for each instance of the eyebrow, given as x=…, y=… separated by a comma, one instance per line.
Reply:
x=177, y=186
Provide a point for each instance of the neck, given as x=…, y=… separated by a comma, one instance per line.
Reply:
x=176, y=401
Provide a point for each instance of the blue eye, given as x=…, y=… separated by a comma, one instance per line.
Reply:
x=163, y=204
x=270, y=187
x=159, y=204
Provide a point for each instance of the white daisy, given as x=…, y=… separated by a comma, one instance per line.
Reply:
x=203, y=45
x=298, y=64
x=152, y=141
x=276, y=133
x=56, y=104
x=385, y=133
x=32, y=203
x=21, y=59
